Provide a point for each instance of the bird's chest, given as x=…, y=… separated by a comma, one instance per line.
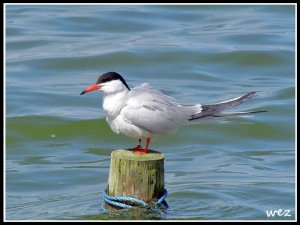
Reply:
x=115, y=123
x=112, y=105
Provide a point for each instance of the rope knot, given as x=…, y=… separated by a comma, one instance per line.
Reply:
x=125, y=202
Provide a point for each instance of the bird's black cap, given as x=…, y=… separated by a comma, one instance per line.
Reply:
x=109, y=76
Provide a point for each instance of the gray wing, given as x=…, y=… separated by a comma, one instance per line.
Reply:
x=153, y=111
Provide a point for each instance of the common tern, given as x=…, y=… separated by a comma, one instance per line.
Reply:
x=143, y=112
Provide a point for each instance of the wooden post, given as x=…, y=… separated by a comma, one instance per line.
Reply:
x=135, y=175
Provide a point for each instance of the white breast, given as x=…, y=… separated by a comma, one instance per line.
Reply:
x=113, y=104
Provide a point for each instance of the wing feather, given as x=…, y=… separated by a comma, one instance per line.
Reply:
x=153, y=111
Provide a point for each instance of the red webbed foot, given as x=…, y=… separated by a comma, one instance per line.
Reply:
x=138, y=149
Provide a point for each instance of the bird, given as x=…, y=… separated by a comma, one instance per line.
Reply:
x=143, y=111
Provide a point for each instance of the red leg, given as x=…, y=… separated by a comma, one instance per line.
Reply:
x=147, y=144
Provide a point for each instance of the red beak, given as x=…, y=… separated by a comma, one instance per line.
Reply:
x=90, y=88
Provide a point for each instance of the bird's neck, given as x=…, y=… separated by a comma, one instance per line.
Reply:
x=114, y=102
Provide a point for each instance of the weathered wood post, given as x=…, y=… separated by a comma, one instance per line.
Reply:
x=135, y=175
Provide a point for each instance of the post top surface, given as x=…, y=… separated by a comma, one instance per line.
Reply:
x=131, y=155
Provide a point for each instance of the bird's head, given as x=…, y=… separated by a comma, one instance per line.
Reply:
x=109, y=83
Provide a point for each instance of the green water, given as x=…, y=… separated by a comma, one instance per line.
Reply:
x=58, y=144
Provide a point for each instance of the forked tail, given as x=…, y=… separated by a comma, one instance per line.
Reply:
x=214, y=109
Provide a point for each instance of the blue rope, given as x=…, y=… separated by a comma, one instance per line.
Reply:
x=119, y=200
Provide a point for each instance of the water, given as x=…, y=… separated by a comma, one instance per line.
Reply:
x=58, y=144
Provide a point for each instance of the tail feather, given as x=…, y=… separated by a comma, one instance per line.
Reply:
x=214, y=109
x=238, y=113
